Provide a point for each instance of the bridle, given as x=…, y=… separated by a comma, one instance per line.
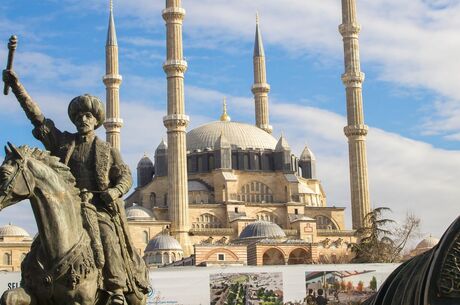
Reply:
x=20, y=163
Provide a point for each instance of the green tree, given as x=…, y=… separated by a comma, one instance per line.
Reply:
x=373, y=284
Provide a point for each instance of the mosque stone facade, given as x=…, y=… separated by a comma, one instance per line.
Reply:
x=250, y=200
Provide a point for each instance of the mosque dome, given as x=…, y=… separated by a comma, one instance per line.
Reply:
x=238, y=135
x=138, y=212
x=13, y=231
x=427, y=243
x=163, y=242
x=262, y=229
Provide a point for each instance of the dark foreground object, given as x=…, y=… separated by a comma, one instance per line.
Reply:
x=432, y=278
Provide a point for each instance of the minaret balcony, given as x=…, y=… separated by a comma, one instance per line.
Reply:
x=176, y=122
x=175, y=67
x=110, y=79
x=173, y=14
x=355, y=130
x=260, y=88
x=349, y=30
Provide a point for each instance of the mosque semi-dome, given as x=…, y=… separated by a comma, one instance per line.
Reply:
x=238, y=135
x=262, y=229
x=13, y=231
x=163, y=242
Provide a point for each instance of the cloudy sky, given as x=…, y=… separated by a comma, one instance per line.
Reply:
x=410, y=52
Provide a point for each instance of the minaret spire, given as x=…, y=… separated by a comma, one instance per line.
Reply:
x=176, y=122
x=112, y=81
x=260, y=88
x=355, y=130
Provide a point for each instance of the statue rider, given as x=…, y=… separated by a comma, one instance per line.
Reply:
x=97, y=167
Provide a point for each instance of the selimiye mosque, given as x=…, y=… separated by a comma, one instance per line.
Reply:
x=227, y=192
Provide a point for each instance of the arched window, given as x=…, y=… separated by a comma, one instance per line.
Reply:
x=256, y=162
x=6, y=259
x=246, y=161
x=267, y=216
x=200, y=164
x=166, y=258
x=157, y=259
x=273, y=257
x=255, y=192
x=145, y=236
x=324, y=223
x=165, y=202
x=153, y=199
x=211, y=164
x=207, y=221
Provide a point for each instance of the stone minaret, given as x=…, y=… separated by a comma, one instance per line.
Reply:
x=176, y=122
x=112, y=81
x=356, y=130
x=260, y=88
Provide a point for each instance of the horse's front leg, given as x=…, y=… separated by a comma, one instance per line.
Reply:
x=17, y=296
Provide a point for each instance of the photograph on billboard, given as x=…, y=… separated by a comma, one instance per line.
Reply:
x=339, y=287
x=246, y=288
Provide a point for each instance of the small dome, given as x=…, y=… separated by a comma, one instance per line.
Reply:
x=262, y=229
x=138, y=212
x=145, y=162
x=163, y=242
x=238, y=135
x=13, y=231
x=428, y=243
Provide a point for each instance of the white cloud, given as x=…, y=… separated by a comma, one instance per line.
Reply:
x=404, y=174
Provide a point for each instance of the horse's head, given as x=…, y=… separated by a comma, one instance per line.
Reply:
x=16, y=183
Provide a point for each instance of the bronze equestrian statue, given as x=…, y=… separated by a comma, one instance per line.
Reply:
x=431, y=278
x=102, y=178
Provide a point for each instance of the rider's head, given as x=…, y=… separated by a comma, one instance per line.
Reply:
x=86, y=112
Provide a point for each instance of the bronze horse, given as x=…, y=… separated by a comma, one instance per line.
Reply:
x=431, y=278
x=60, y=268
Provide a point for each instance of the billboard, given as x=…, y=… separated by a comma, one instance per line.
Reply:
x=268, y=285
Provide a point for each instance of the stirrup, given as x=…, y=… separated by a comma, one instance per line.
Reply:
x=117, y=299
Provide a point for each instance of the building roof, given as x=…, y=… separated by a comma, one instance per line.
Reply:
x=162, y=146
x=145, y=162
x=11, y=230
x=239, y=135
x=111, y=33
x=258, y=44
x=427, y=243
x=307, y=154
x=262, y=229
x=138, y=212
x=282, y=144
x=163, y=242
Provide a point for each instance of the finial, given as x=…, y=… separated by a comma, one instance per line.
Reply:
x=224, y=117
x=257, y=17
x=111, y=5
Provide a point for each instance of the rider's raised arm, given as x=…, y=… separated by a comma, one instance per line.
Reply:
x=33, y=112
x=44, y=130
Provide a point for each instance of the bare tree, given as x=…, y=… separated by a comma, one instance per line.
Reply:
x=381, y=240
